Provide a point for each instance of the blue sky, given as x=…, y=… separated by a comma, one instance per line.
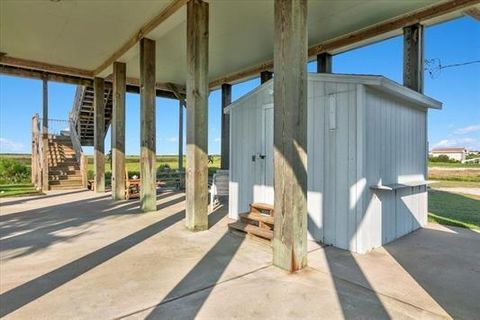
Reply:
x=458, y=124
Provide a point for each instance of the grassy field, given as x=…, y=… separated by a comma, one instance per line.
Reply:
x=12, y=190
x=133, y=163
x=453, y=209
x=455, y=184
x=453, y=165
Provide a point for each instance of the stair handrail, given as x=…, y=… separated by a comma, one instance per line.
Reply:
x=77, y=147
x=77, y=105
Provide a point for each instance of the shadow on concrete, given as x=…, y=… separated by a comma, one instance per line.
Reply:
x=203, y=277
x=39, y=197
x=37, y=229
x=218, y=214
x=34, y=289
x=348, y=295
x=446, y=265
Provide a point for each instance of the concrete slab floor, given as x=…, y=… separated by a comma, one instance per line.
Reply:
x=79, y=255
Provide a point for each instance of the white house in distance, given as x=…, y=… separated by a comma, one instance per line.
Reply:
x=458, y=154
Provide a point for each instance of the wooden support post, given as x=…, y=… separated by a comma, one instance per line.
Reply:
x=148, y=173
x=118, y=131
x=84, y=170
x=197, y=116
x=181, y=104
x=413, y=57
x=225, y=139
x=324, y=63
x=99, y=134
x=34, y=150
x=290, y=134
x=265, y=76
x=45, y=147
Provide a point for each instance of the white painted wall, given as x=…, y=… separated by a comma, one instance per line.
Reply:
x=361, y=133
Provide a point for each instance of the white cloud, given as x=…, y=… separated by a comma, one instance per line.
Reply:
x=172, y=139
x=217, y=140
x=10, y=146
x=469, y=129
x=467, y=142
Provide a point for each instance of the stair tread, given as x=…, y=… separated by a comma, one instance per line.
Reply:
x=251, y=229
x=261, y=205
x=257, y=217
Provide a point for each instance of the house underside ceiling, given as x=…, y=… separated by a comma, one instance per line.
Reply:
x=84, y=34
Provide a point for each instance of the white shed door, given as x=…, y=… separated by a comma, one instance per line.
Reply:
x=263, y=189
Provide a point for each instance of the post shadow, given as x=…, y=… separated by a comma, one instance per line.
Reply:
x=37, y=232
x=203, y=277
x=17, y=297
x=343, y=287
x=447, y=267
x=39, y=197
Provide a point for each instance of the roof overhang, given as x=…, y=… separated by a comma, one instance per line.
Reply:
x=376, y=82
x=81, y=39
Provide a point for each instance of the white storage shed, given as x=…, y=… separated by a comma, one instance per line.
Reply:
x=367, y=158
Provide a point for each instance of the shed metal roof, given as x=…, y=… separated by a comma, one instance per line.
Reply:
x=378, y=82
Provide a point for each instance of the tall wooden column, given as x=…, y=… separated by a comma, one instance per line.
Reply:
x=45, y=151
x=148, y=174
x=99, y=134
x=181, y=104
x=197, y=116
x=265, y=76
x=225, y=140
x=413, y=57
x=324, y=63
x=118, y=131
x=290, y=134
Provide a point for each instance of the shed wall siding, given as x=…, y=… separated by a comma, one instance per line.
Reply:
x=395, y=153
x=332, y=166
x=357, y=137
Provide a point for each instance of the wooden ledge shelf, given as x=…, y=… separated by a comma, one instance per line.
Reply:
x=397, y=186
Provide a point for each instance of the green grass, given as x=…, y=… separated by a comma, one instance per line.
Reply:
x=455, y=184
x=452, y=209
x=12, y=190
x=453, y=165
x=133, y=163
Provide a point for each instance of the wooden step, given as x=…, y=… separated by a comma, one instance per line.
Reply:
x=261, y=208
x=252, y=230
x=65, y=182
x=56, y=177
x=255, y=216
x=63, y=187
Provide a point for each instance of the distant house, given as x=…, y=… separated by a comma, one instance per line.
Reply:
x=458, y=154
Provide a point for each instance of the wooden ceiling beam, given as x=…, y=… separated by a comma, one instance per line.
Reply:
x=45, y=67
x=473, y=12
x=40, y=75
x=144, y=30
x=357, y=37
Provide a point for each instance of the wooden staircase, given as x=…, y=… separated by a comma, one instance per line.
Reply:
x=258, y=223
x=63, y=167
x=83, y=113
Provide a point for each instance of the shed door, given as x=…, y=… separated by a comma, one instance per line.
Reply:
x=263, y=189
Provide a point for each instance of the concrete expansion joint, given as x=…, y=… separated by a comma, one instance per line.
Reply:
x=194, y=292
x=376, y=292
